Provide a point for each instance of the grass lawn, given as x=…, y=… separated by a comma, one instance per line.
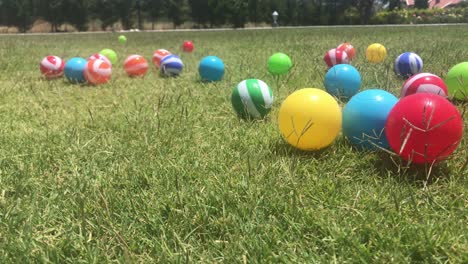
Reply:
x=162, y=170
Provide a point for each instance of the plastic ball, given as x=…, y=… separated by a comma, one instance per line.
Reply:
x=135, y=66
x=188, y=46
x=110, y=54
x=122, y=39
x=457, y=81
x=309, y=119
x=101, y=57
x=424, y=128
x=335, y=56
x=279, y=63
x=364, y=118
x=376, y=53
x=424, y=83
x=348, y=48
x=342, y=81
x=52, y=67
x=97, y=71
x=211, y=68
x=171, y=65
x=158, y=55
x=74, y=70
x=408, y=64
x=252, y=99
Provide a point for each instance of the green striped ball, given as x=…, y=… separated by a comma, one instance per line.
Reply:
x=252, y=99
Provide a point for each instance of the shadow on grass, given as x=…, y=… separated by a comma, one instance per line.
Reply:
x=281, y=148
x=418, y=174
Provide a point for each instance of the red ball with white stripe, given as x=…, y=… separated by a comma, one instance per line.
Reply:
x=52, y=67
x=101, y=57
x=348, y=48
x=97, y=71
x=136, y=65
x=424, y=83
x=158, y=55
x=336, y=56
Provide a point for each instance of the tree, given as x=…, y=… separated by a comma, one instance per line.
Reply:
x=52, y=11
x=176, y=11
x=365, y=8
x=421, y=4
x=18, y=13
x=199, y=11
x=154, y=8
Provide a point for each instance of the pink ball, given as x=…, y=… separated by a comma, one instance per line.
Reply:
x=424, y=83
x=100, y=57
x=336, y=56
x=52, y=67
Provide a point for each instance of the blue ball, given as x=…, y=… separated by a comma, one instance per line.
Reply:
x=211, y=68
x=74, y=70
x=342, y=81
x=364, y=118
x=171, y=65
x=408, y=64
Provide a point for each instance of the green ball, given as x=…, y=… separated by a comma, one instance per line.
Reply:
x=457, y=81
x=110, y=54
x=279, y=63
x=122, y=39
x=252, y=99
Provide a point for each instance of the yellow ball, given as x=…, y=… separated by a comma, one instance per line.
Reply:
x=309, y=119
x=376, y=53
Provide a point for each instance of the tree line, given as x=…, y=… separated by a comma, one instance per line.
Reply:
x=203, y=13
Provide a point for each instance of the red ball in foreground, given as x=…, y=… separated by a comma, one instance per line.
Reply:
x=348, y=48
x=188, y=46
x=97, y=71
x=136, y=65
x=335, y=56
x=424, y=83
x=52, y=67
x=424, y=128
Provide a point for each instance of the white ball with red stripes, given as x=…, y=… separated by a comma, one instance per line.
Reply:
x=424, y=83
x=52, y=67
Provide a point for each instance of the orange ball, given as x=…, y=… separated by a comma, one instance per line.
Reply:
x=348, y=48
x=136, y=65
x=158, y=55
x=97, y=71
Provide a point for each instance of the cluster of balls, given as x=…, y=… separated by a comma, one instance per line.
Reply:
x=421, y=127
x=97, y=69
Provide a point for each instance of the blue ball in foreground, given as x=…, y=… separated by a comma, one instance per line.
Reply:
x=342, y=81
x=171, y=65
x=408, y=64
x=211, y=68
x=74, y=70
x=364, y=118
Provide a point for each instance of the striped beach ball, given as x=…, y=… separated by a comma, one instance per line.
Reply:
x=135, y=66
x=158, y=55
x=252, y=99
x=97, y=71
x=408, y=64
x=335, y=56
x=52, y=67
x=424, y=83
x=101, y=57
x=171, y=65
x=348, y=48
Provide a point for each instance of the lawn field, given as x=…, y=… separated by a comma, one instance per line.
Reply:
x=160, y=170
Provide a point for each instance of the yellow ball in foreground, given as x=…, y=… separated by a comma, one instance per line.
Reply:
x=309, y=119
x=376, y=53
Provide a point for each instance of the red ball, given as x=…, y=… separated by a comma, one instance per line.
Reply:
x=97, y=71
x=424, y=128
x=136, y=65
x=188, y=46
x=52, y=67
x=335, y=56
x=424, y=83
x=348, y=48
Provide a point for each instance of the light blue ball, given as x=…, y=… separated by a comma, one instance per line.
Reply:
x=211, y=69
x=364, y=118
x=74, y=70
x=342, y=81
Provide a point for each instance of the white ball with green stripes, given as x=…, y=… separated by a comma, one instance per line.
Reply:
x=252, y=99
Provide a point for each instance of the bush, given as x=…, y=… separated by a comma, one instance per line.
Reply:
x=421, y=16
